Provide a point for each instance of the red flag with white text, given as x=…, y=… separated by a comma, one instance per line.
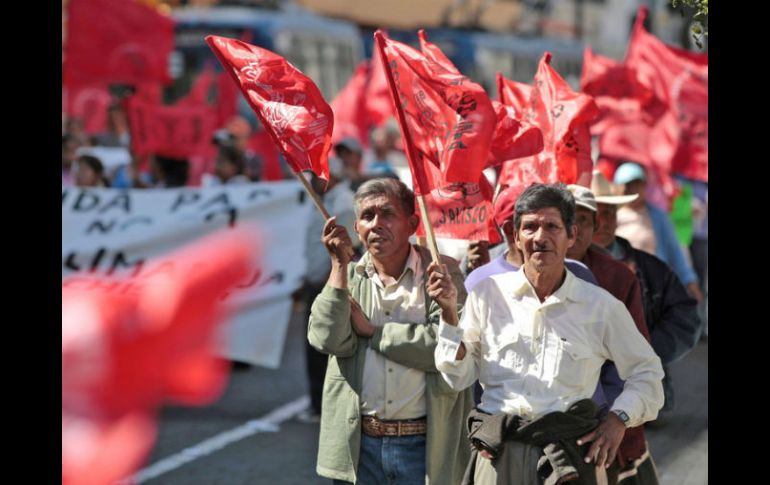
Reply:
x=289, y=105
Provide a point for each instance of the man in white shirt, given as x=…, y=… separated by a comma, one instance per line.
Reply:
x=536, y=339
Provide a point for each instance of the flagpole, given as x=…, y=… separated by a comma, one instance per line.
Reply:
x=428, y=229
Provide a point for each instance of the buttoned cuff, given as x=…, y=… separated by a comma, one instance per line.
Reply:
x=449, y=339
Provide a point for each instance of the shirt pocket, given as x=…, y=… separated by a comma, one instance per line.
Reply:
x=573, y=362
x=505, y=356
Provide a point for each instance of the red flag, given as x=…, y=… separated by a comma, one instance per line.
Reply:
x=288, y=104
x=379, y=103
x=171, y=131
x=679, y=79
x=199, y=91
x=227, y=99
x=618, y=93
x=89, y=104
x=130, y=345
x=350, y=114
x=513, y=138
x=562, y=115
x=116, y=41
x=444, y=117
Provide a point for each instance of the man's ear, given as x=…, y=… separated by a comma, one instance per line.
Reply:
x=572, y=236
x=507, y=228
x=414, y=223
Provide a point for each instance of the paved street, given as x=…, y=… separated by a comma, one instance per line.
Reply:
x=256, y=440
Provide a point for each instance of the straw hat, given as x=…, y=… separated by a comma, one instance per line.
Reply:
x=602, y=190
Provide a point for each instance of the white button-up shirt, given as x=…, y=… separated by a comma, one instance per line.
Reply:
x=391, y=390
x=535, y=357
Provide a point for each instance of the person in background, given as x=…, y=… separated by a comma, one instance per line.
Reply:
x=118, y=134
x=89, y=172
x=69, y=147
x=350, y=152
x=669, y=312
x=649, y=228
x=229, y=168
x=240, y=131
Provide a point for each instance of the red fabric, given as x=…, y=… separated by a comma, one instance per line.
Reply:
x=89, y=104
x=445, y=119
x=379, y=103
x=563, y=116
x=289, y=105
x=618, y=93
x=116, y=41
x=262, y=144
x=170, y=131
x=199, y=91
x=513, y=138
x=130, y=345
x=351, y=118
x=679, y=79
x=227, y=99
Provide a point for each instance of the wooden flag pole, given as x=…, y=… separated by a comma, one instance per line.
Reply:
x=316, y=200
x=428, y=229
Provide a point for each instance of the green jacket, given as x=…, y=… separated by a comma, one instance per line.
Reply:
x=409, y=344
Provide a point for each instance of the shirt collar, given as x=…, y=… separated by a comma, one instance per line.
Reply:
x=570, y=289
x=366, y=266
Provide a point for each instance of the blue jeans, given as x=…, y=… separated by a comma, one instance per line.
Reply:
x=391, y=460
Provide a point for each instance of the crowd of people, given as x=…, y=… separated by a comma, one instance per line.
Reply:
x=540, y=360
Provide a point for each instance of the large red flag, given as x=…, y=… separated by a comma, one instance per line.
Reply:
x=289, y=105
x=563, y=116
x=116, y=41
x=350, y=114
x=679, y=79
x=444, y=117
x=447, y=124
x=131, y=345
x=171, y=131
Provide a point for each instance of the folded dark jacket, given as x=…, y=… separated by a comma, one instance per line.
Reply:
x=556, y=433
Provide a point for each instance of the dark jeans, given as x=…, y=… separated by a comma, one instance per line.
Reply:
x=391, y=460
x=315, y=361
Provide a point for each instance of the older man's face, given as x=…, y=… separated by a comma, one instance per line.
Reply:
x=584, y=220
x=544, y=239
x=383, y=226
x=607, y=222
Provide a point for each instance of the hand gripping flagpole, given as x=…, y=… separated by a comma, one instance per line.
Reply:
x=415, y=160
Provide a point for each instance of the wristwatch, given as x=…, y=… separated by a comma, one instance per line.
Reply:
x=622, y=415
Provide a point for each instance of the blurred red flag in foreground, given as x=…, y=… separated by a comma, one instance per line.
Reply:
x=129, y=345
x=116, y=41
x=288, y=104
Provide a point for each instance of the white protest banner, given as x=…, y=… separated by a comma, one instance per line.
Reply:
x=112, y=232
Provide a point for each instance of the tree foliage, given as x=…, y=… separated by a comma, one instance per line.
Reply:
x=699, y=26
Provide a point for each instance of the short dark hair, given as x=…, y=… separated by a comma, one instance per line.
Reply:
x=543, y=196
x=234, y=156
x=93, y=163
x=389, y=187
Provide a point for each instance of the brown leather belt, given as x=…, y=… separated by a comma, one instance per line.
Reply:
x=377, y=428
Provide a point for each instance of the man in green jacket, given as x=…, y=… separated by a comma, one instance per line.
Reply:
x=387, y=415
